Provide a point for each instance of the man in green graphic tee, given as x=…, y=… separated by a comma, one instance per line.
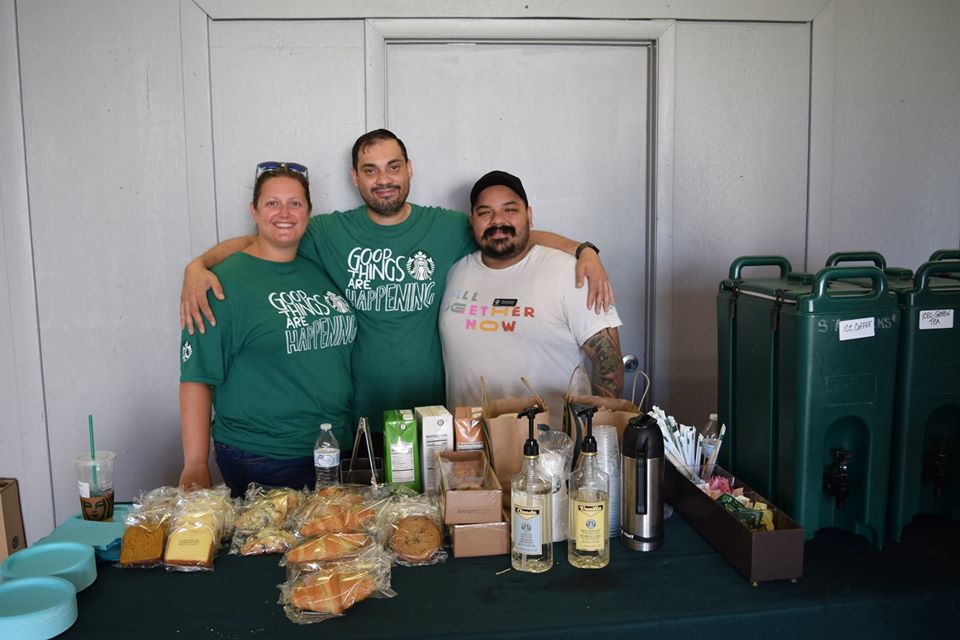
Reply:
x=390, y=258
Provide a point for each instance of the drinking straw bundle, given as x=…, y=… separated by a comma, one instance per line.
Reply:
x=689, y=452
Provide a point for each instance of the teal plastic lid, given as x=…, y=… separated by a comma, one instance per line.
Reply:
x=36, y=608
x=69, y=560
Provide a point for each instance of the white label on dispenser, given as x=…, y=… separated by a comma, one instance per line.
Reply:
x=856, y=329
x=936, y=319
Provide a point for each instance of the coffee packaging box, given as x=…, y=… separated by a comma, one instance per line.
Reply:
x=436, y=436
x=11, y=520
x=401, y=449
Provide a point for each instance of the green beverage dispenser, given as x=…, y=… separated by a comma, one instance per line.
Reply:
x=926, y=428
x=749, y=311
x=837, y=366
x=744, y=365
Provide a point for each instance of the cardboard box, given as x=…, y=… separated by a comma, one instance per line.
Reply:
x=11, y=521
x=759, y=555
x=435, y=425
x=487, y=539
x=469, y=506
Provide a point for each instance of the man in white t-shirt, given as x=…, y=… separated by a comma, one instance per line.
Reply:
x=510, y=309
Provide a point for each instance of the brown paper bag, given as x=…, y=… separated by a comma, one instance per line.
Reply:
x=612, y=411
x=505, y=433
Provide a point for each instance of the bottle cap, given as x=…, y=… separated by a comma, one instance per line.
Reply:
x=714, y=417
x=326, y=426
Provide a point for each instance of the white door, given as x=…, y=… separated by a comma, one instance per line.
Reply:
x=568, y=118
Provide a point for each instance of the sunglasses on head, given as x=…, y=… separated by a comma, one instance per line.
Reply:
x=264, y=167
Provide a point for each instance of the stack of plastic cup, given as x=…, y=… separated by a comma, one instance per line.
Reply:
x=608, y=457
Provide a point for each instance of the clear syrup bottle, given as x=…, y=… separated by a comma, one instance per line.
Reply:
x=588, y=541
x=531, y=537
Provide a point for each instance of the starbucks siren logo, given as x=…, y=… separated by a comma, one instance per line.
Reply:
x=420, y=266
x=336, y=302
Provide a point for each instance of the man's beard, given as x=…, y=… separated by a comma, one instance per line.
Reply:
x=387, y=208
x=504, y=248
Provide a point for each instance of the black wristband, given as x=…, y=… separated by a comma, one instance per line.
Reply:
x=585, y=245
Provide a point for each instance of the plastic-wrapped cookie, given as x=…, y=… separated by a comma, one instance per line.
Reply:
x=415, y=538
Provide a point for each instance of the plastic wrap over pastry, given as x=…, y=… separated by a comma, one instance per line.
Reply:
x=146, y=528
x=157, y=505
x=413, y=529
x=311, y=553
x=259, y=526
x=463, y=475
x=266, y=507
x=327, y=593
x=338, y=508
x=202, y=519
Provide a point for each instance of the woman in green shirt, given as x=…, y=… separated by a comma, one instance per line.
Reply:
x=277, y=363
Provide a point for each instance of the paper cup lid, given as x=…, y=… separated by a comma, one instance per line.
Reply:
x=36, y=608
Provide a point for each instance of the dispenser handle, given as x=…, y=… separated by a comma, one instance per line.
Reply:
x=759, y=261
x=945, y=254
x=641, y=484
x=857, y=256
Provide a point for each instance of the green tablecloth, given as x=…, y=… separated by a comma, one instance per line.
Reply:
x=683, y=590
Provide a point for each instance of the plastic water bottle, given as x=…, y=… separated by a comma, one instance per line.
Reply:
x=711, y=437
x=326, y=457
x=712, y=429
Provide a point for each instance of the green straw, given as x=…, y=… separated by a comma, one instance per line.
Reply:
x=93, y=456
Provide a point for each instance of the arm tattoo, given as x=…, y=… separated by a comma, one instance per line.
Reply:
x=606, y=363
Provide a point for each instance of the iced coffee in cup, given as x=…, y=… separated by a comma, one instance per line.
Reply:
x=95, y=483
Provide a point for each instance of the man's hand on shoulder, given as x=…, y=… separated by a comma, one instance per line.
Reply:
x=599, y=287
x=194, y=306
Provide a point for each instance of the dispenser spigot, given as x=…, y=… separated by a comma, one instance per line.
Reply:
x=837, y=483
x=936, y=468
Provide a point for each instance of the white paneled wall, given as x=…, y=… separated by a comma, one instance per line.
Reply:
x=103, y=126
x=893, y=117
x=739, y=178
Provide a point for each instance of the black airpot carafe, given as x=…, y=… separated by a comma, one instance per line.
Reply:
x=641, y=508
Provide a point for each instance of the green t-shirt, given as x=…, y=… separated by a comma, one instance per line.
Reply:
x=394, y=277
x=278, y=358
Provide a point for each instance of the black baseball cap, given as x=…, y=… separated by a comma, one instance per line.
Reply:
x=498, y=178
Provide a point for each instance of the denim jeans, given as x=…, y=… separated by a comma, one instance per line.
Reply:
x=240, y=468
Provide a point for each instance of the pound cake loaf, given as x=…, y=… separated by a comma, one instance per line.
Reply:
x=142, y=546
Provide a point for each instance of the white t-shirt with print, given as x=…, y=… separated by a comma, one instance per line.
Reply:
x=528, y=320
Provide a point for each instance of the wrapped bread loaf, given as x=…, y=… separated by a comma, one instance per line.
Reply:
x=335, y=587
x=338, y=508
x=328, y=546
x=142, y=545
x=331, y=592
x=202, y=519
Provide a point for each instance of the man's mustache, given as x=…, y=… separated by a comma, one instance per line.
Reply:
x=501, y=228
